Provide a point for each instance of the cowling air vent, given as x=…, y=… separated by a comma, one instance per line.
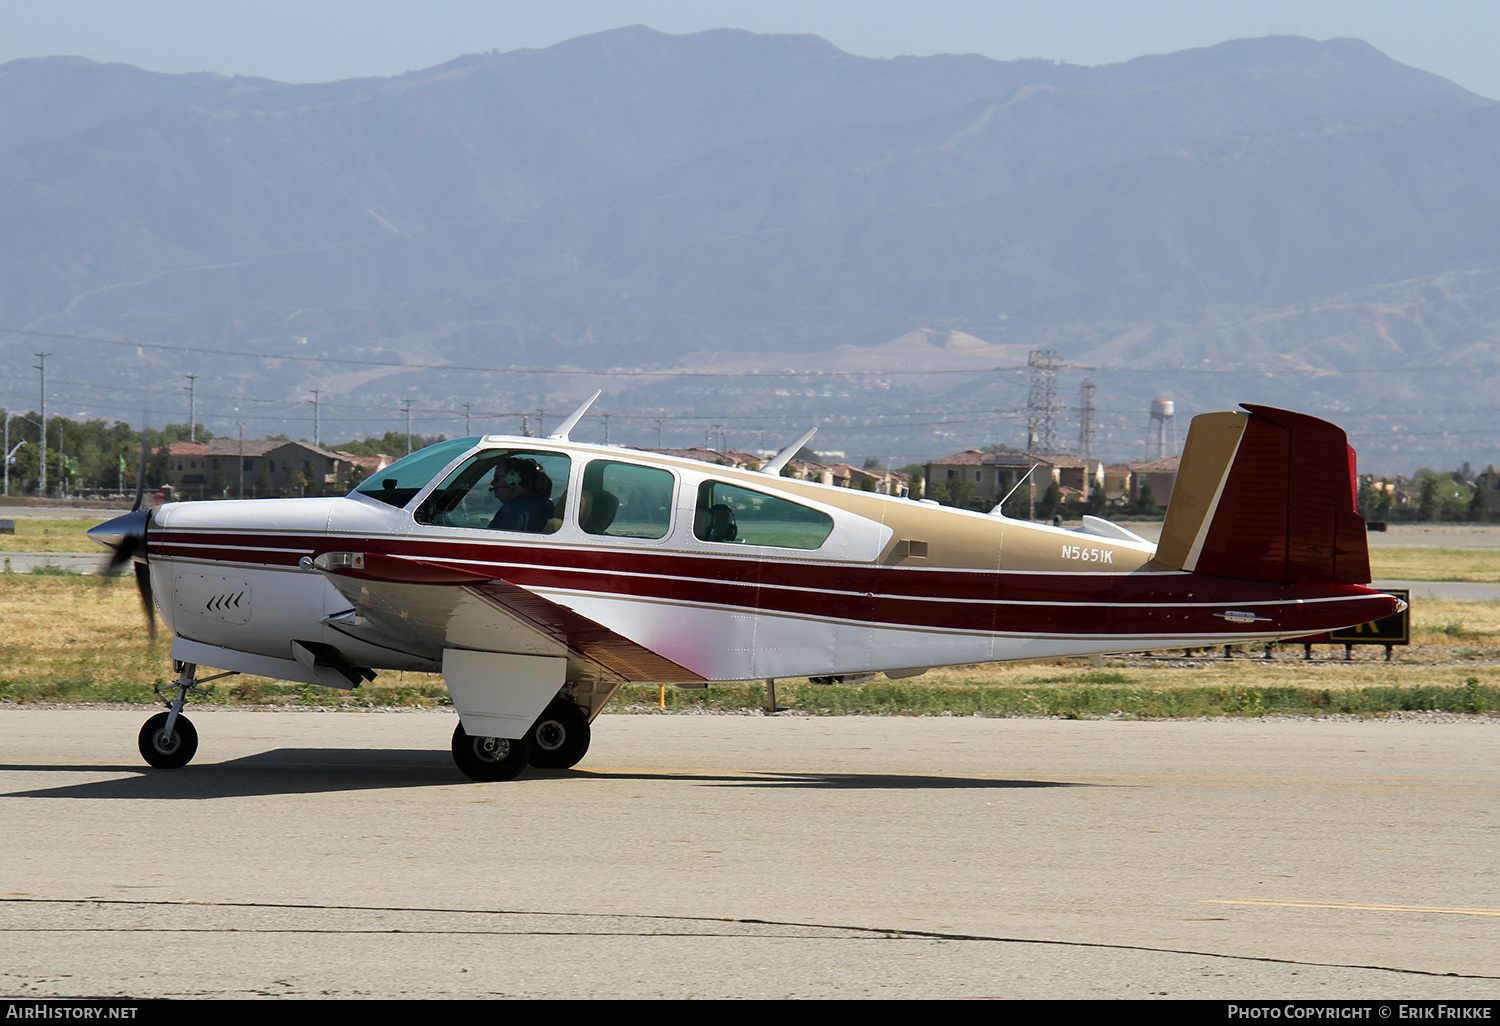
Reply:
x=220, y=598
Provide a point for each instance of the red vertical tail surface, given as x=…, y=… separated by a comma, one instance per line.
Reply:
x=1266, y=495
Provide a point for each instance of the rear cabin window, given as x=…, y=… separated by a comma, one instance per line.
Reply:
x=728, y=513
x=626, y=500
x=400, y=482
x=501, y=490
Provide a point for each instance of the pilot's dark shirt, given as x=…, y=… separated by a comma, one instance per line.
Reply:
x=525, y=512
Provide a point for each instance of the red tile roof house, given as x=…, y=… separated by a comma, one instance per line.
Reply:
x=257, y=468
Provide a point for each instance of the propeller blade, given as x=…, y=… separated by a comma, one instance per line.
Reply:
x=126, y=535
x=124, y=553
x=148, y=605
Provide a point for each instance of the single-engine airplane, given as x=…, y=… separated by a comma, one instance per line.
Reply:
x=537, y=575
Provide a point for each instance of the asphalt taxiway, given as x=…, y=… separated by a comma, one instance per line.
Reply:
x=340, y=854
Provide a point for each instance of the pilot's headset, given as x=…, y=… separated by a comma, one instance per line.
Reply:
x=521, y=472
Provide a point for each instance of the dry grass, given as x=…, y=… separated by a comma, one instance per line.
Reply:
x=71, y=632
x=1421, y=564
x=67, y=638
x=54, y=535
x=72, y=638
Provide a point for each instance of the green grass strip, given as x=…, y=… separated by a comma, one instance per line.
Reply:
x=1099, y=698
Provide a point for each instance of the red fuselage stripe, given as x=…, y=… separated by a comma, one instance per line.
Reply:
x=1029, y=603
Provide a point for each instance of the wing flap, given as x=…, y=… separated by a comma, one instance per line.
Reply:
x=591, y=640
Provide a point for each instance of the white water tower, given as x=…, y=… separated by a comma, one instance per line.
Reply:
x=1161, y=427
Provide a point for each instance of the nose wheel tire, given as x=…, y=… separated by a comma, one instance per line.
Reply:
x=168, y=751
x=490, y=758
x=560, y=736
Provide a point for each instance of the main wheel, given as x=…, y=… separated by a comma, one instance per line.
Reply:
x=168, y=751
x=490, y=758
x=560, y=736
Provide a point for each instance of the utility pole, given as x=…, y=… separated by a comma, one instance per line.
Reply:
x=1086, y=419
x=192, y=407
x=241, y=493
x=317, y=421
x=407, y=403
x=467, y=429
x=606, y=429
x=42, y=488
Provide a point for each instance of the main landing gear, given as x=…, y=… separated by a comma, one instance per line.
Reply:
x=560, y=736
x=490, y=758
x=169, y=740
x=558, y=739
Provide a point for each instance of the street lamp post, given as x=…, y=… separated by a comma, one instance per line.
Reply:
x=9, y=452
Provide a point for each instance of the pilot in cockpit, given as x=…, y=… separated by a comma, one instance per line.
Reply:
x=525, y=494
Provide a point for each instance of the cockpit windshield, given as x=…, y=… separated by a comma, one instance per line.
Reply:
x=399, y=483
x=501, y=490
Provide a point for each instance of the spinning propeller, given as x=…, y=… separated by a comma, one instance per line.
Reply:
x=126, y=535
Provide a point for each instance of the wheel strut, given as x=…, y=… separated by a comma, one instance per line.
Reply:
x=168, y=740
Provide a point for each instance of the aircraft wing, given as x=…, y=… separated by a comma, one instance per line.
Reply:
x=436, y=607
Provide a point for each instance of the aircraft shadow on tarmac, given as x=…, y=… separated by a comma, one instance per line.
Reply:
x=321, y=770
x=836, y=781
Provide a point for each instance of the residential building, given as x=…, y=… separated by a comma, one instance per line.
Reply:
x=256, y=468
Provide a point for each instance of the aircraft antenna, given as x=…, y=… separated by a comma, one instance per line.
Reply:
x=785, y=456
x=573, y=418
x=1024, y=478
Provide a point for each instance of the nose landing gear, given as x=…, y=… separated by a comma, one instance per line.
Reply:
x=169, y=740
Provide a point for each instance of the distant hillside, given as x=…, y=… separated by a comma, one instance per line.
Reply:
x=637, y=199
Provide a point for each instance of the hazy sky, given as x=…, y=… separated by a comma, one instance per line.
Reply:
x=322, y=40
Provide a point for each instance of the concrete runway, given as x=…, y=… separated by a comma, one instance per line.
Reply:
x=340, y=854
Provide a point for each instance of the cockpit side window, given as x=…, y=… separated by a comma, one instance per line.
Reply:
x=501, y=490
x=400, y=482
x=728, y=513
x=626, y=500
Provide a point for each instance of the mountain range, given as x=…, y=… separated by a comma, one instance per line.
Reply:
x=1276, y=220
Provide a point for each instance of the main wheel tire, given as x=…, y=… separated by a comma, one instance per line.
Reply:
x=168, y=751
x=490, y=758
x=560, y=736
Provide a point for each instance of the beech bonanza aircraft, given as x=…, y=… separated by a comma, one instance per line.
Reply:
x=626, y=565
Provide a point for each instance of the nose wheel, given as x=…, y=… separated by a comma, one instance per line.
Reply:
x=168, y=747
